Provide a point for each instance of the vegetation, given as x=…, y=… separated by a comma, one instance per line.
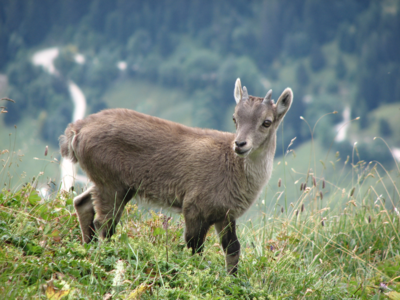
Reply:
x=338, y=239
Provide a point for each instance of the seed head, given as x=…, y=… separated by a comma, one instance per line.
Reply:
x=314, y=181
x=279, y=182
x=323, y=183
x=282, y=209
x=305, y=185
x=302, y=207
x=46, y=150
x=352, y=192
x=321, y=195
x=322, y=223
x=301, y=186
x=369, y=219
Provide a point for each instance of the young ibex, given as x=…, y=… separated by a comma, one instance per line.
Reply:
x=211, y=177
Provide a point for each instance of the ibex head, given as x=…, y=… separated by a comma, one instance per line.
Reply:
x=257, y=119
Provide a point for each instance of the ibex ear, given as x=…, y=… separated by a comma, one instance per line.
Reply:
x=237, y=92
x=284, y=102
x=245, y=93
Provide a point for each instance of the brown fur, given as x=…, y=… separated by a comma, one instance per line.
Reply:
x=198, y=172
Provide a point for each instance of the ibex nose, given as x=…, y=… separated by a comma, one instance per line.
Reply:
x=240, y=144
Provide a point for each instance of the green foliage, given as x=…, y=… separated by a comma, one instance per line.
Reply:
x=340, y=68
x=384, y=128
x=302, y=75
x=34, y=92
x=318, y=60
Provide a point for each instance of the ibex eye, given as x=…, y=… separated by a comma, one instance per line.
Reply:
x=234, y=120
x=267, y=123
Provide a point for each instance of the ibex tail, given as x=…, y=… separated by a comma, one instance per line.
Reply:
x=66, y=144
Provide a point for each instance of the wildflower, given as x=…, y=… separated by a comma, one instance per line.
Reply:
x=383, y=286
x=165, y=222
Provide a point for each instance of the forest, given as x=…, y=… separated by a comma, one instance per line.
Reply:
x=333, y=54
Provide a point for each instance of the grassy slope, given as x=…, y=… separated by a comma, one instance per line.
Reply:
x=317, y=254
x=390, y=113
x=27, y=145
x=291, y=170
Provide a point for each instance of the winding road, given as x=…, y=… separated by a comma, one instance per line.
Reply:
x=45, y=58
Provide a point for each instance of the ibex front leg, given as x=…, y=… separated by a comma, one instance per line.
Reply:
x=227, y=233
x=195, y=234
x=109, y=207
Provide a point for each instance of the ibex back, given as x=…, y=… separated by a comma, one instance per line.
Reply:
x=212, y=177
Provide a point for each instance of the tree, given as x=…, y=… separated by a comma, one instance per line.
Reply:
x=318, y=60
x=340, y=68
x=384, y=128
x=302, y=74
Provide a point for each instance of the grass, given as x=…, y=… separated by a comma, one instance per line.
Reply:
x=290, y=170
x=326, y=228
x=343, y=245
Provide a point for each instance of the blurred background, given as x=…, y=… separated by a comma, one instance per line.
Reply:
x=179, y=59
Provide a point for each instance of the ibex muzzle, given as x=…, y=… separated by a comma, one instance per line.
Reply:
x=212, y=177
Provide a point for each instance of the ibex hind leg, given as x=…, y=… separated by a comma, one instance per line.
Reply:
x=227, y=232
x=84, y=209
x=109, y=208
